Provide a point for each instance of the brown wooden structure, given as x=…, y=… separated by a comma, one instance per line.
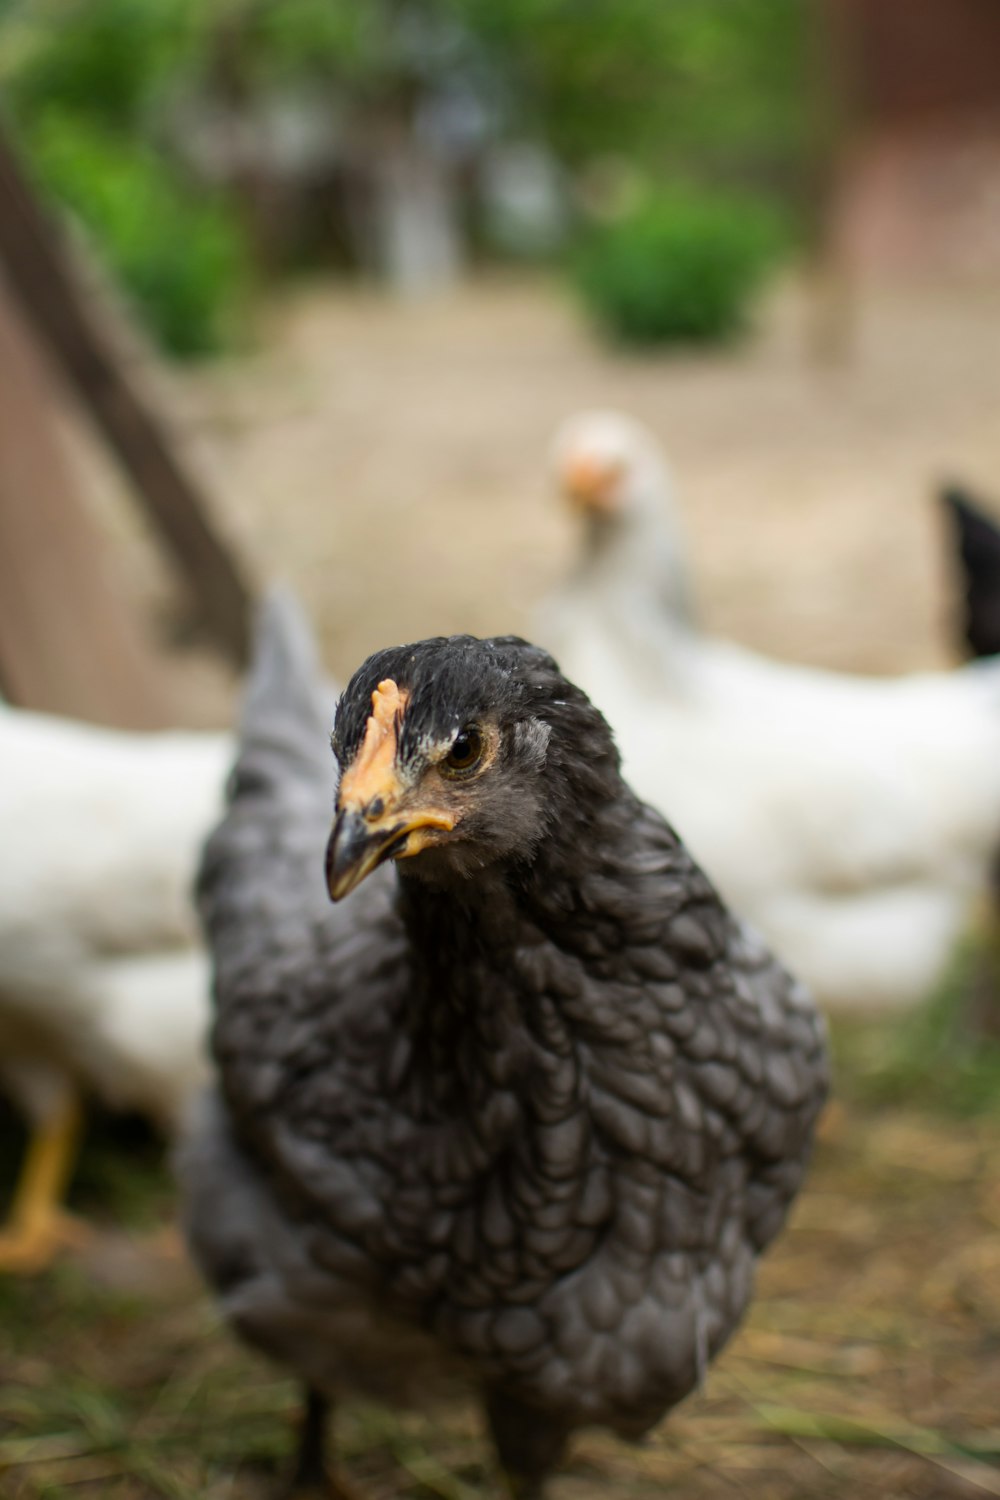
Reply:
x=918, y=89
x=910, y=61
x=67, y=642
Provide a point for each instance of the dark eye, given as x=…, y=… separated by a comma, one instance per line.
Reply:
x=466, y=750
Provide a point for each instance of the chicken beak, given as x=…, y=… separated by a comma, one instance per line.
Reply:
x=358, y=845
x=591, y=484
x=353, y=851
x=373, y=823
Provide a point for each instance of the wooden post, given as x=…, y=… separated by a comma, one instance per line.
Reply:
x=833, y=307
x=43, y=282
x=67, y=643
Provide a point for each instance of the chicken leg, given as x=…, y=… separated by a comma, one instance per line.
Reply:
x=37, y=1228
x=310, y=1478
x=529, y=1444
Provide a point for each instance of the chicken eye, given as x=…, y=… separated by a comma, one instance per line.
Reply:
x=465, y=752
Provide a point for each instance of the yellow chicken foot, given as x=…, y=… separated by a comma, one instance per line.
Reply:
x=37, y=1227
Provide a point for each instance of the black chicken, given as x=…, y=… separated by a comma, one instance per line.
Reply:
x=977, y=542
x=524, y=1110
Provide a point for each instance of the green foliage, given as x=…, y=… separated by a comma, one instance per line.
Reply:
x=589, y=75
x=97, y=91
x=107, y=61
x=177, y=253
x=119, y=60
x=85, y=82
x=681, y=266
x=685, y=81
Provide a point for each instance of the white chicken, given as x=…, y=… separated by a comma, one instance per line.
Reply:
x=853, y=819
x=103, y=981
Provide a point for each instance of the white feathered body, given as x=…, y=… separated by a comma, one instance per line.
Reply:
x=103, y=979
x=854, y=820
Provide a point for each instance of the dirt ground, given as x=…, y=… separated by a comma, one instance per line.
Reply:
x=869, y=1365
x=390, y=462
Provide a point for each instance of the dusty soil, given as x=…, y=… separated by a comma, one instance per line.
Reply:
x=869, y=1365
x=390, y=461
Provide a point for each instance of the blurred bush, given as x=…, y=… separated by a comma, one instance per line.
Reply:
x=86, y=87
x=284, y=132
x=720, y=84
x=682, y=265
x=178, y=255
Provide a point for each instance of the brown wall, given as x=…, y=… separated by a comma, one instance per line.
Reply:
x=906, y=59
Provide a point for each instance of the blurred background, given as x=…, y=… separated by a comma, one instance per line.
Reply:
x=301, y=289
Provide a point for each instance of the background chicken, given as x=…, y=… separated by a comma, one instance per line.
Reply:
x=103, y=979
x=853, y=819
x=525, y=1115
x=977, y=545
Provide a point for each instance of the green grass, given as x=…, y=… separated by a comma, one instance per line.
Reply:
x=935, y=1057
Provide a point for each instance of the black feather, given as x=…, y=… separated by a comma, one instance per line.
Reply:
x=533, y=1127
x=978, y=543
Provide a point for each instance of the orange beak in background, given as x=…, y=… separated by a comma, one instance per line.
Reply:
x=591, y=483
x=378, y=817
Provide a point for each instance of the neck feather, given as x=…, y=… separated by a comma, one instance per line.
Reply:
x=642, y=556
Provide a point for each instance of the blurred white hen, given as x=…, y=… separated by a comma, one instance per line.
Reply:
x=853, y=819
x=103, y=981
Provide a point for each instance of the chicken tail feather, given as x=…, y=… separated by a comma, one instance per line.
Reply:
x=288, y=708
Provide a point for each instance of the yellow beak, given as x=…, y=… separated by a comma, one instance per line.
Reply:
x=358, y=844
